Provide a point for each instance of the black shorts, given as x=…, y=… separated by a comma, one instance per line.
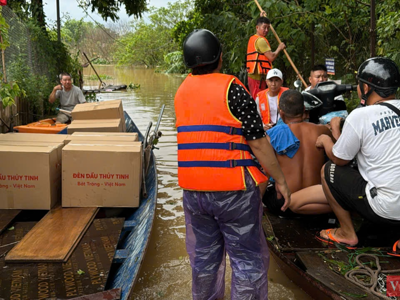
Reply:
x=348, y=188
x=274, y=204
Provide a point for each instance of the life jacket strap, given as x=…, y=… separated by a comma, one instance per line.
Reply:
x=213, y=128
x=219, y=146
x=219, y=164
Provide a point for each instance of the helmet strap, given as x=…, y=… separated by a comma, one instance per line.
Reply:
x=364, y=97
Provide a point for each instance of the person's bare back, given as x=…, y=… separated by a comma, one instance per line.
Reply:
x=301, y=167
x=304, y=169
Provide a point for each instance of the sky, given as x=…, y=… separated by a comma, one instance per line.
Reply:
x=75, y=12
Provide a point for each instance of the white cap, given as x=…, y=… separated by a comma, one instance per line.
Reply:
x=274, y=73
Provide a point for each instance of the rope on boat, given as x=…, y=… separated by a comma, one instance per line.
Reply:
x=363, y=269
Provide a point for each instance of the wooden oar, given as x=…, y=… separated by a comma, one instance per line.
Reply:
x=284, y=50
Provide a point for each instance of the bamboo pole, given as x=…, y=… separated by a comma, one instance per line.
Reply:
x=284, y=50
x=3, y=60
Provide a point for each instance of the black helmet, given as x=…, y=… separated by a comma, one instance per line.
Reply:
x=381, y=74
x=201, y=47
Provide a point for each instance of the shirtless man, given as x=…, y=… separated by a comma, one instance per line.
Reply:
x=300, y=160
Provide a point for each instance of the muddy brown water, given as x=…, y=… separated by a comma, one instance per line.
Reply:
x=165, y=272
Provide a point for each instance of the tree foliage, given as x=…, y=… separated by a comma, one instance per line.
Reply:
x=108, y=9
x=340, y=30
x=149, y=41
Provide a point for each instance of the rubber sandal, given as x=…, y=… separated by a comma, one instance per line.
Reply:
x=395, y=251
x=331, y=240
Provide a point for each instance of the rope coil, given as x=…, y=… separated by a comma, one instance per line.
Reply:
x=376, y=276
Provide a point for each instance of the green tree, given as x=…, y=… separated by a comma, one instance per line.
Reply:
x=339, y=29
x=149, y=42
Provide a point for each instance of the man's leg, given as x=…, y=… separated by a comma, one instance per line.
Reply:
x=254, y=86
x=346, y=233
x=62, y=118
x=205, y=246
x=240, y=223
x=310, y=201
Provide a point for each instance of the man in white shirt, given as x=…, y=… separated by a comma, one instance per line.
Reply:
x=267, y=100
x=371, y=134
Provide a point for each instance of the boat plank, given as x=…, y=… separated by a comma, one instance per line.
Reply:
x=54, y=237
x=6, y=217
x=319, y=270
x=86, y=271
x=114, y=294
x=294, y=234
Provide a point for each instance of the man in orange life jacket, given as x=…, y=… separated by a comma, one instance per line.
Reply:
x=218, y=128
x=268, y=100
x=259, y=56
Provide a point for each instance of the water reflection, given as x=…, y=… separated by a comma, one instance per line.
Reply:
x=166, y=273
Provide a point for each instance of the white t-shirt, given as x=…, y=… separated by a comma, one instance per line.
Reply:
x=273, y=108
x=373, y=134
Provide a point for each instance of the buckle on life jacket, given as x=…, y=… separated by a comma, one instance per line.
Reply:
x=233, y=130
x=232, y=146
x=232, y=163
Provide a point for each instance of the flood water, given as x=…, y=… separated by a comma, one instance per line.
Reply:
x=166, y=273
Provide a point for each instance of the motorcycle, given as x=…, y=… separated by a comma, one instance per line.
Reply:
x=321, y=104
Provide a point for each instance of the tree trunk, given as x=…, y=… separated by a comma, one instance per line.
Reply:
x=372, y=46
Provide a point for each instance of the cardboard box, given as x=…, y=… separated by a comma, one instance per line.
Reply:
x=37, y=137
x=30, y=176
x=99, y=110
x=101, y=175
x=113, y=125
x=129, y=134
x=98, y=138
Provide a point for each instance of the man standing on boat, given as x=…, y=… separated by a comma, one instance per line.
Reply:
x=299, y=159
x=259, y=56
x=371, y=134
x=69, y=96
x=268, y=100
x=218, y=128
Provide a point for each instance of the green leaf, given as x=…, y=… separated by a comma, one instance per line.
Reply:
x=80, y=272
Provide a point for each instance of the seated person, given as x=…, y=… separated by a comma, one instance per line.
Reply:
x=300, y=160
x=371, y=134
x=267, y=100
x=69, y=96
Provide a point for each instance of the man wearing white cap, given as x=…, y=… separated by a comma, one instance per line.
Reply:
x=267, y=100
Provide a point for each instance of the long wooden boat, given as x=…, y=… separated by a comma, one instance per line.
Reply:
x=104, y=265
x=319, y=269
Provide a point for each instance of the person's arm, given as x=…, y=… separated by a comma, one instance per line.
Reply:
x=265, y=155
x=273, y=55
x=53, y=95
x=244, y=108
x=324, y=141
x=335, y=127
x=81, y=97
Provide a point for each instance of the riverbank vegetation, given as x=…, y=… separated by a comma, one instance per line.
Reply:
x=312, y=30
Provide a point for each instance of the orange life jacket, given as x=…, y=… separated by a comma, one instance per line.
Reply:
x=255, y=59
x=263, y=104
x=212, y=152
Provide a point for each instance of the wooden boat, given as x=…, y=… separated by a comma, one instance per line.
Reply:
x=42, y=126
x=106, y=262
x=317, y=268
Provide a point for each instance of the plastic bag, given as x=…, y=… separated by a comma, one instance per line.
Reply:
x=325, y=119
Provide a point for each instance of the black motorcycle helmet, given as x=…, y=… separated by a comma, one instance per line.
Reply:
x=201, y=47
x=381, y=74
